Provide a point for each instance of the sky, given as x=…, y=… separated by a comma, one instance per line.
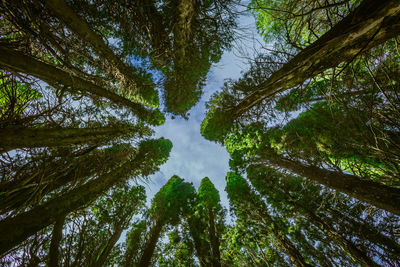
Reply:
x=193, y=157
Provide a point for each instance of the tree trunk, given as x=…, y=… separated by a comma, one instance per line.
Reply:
x=14, y=61
x=56, y=237
x=201, y=253
x=379, y=195
x=13, y=137
x=110, y=244
x=365, y=231
x=287, y=246
x=216, y=255
x=370, y=24
x=17, y=229
x=326, y=226
x=82, y=29
x=150, y=245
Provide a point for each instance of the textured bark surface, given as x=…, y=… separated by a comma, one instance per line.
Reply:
x=216, y=258
x=56, y=237
x=378, y=195
x=21, y=137
x=110, y=244
x=82, y=29
x=14, y=61
x=150, y=245
x=372, y=23
x=17, y=229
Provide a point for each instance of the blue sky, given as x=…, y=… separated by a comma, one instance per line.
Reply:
x=193, y=157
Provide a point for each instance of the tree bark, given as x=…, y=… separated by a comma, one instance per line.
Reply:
x=203, y=258
x=286, y=245
x=150, y=245
x=370, y=24
x=110, y=244
x=14, y=61
x=364, y=231
x=326, y=226
x=216, y=255
x=56, y=237
x=13, y=137
x=82, y=29
x=17, y=229
x=376, y=194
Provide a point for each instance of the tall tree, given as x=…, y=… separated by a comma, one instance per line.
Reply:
x=16, y=61
x=150, y=154
x=245, y=202
x=276, y=187
x=167, y=207
x=370, y=24
x=252, y=143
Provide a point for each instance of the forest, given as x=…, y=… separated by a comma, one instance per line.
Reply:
x=311, y=125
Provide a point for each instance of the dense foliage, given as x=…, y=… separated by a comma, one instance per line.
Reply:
x=312, y=130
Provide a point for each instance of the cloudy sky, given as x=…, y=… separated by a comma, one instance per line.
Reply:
x=193, y=157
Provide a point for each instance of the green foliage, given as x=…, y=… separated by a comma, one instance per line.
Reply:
x=207, y=194
x=172, y=201
x=216, y=125
x=155, y=149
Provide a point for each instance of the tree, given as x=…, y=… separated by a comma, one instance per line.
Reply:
x=18, y=62
x=249, y=207
x=175, y=35
x=291, y=195
x=150, y=154
x=167, y=207
x=328, y=51
x=252, y=142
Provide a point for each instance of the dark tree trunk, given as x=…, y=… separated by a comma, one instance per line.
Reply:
x=56, y=237
x=82, y=29
x=366, y=232
x=15, y=61
x=21, y=137
x=370, y=24
x=201, y=252
x=216, y=255
x=110, y=244
x=17, y=229
x=378, y=195
x=150, y=245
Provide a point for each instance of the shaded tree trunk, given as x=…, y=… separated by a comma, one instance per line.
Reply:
x=214, y=239
x=381, y=196
x=110, y=244
x=14, y=61
x=13, y=137
x=365, y=231
x=82, y=29
x=201, y=252
x=17, y=229
x=150, y=245
x=56, y=237
x=370, y=24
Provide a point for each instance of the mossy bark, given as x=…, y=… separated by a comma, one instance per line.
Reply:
x=370, y=24
x=376, y=194
x=17, y=229
x=15, y=61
